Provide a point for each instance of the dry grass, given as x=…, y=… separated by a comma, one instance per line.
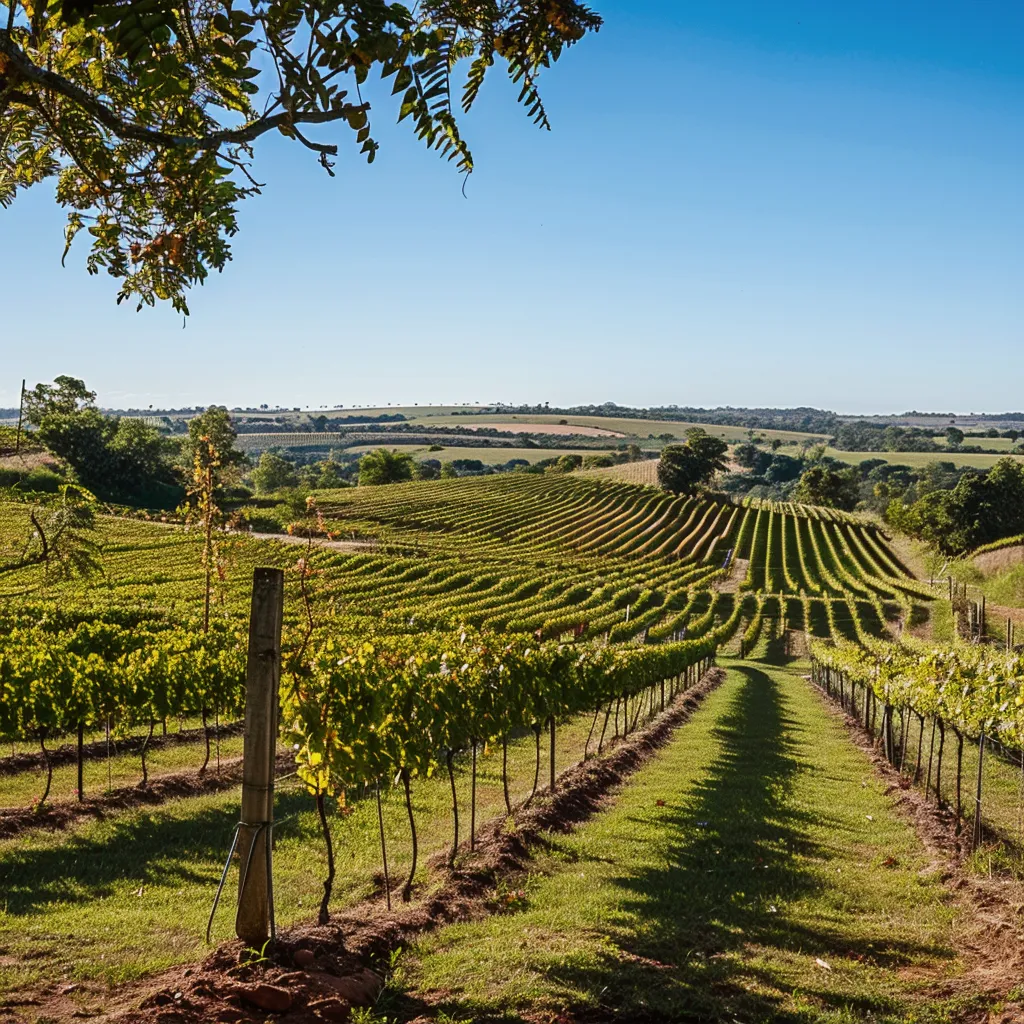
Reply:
x=645, y=472
x=991, y=562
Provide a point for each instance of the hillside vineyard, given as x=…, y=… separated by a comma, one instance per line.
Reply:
x=595, y=561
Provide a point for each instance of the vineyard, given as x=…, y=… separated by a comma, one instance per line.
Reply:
x=432, y=683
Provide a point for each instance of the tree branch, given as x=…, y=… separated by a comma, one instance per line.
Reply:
x=24, y=68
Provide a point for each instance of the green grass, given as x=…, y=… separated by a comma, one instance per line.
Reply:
x=756, y=844
x=129, y=895
x=124, y=769
x=918, y=459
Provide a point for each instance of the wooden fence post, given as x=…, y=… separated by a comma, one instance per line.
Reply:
x=254, y=921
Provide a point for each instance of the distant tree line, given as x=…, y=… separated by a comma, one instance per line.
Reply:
x=862, y=436
x=806, y=419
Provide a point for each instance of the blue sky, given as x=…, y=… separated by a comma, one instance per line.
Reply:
x=743, y=203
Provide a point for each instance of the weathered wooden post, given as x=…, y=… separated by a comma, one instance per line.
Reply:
x=255, y=916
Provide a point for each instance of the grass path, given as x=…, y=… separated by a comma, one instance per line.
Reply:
x=109, y=901
x=754, y=871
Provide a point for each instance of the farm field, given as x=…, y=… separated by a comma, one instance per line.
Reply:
x=627, y=426
x=919, y=459
x=490, y=456
x=644, y=472
x=437, y=417
x=617, y=602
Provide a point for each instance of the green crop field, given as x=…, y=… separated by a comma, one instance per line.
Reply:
x=919, y=459
x=483, y=636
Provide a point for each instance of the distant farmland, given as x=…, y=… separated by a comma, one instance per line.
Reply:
x=489, y=456
x=919, y=459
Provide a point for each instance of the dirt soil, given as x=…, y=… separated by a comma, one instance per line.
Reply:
x=317, y=974
x=334, y=545
x=991, y=934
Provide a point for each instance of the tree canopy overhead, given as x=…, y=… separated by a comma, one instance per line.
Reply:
x=146, y=111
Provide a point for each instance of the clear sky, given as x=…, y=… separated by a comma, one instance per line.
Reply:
x=791, y=202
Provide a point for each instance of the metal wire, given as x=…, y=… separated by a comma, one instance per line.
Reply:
x=260, y=827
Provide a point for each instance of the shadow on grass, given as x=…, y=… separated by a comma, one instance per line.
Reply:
x=732, y=851
x=149, y=847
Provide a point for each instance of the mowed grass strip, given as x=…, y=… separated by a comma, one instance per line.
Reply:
x=99, y=775
x=113, y=900
x=753, y=871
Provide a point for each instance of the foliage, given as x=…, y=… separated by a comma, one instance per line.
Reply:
x=831, y=488
x=119, y=459
x=385, y=467
x=371, y=708
x=971, y=687
x=213, y=427
x=63, y=536
x=273, y=473
x=685, y=468
x=878, y=437
x=568, y=463
x=981, y=508
x=146, y=114
x=65, y=395
x=53, y=680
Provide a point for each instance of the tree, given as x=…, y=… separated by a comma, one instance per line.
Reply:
x=330, y=475
x=749, y=456
x=66, y=395
x=954, y=437
x=273, y=473
x=832, y=488
x=213, y=429
x=685, y=468
x=385, y=467
x=567, y=463
x=146, y=113
x=118, y=459
x=63, y=538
